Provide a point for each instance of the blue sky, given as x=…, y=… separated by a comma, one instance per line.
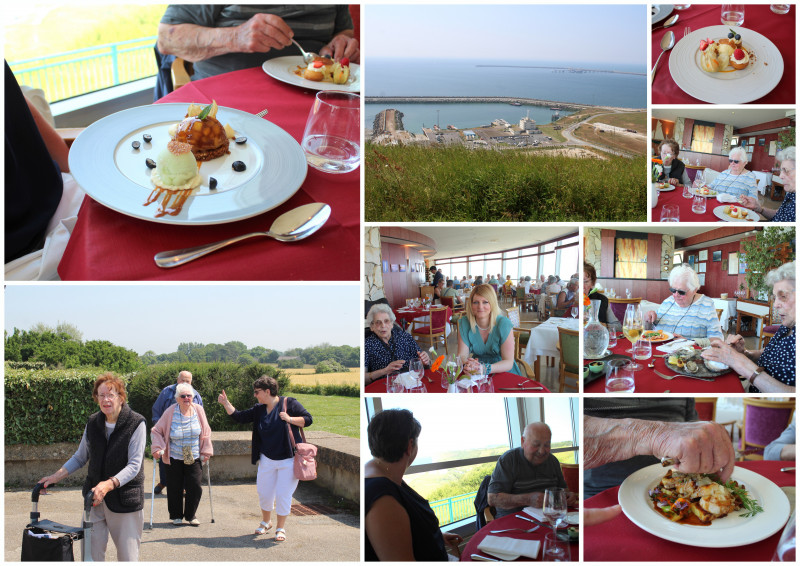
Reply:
x=159, y=317
x=586, y=33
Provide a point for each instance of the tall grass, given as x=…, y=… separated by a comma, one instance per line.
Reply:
x=455, y=184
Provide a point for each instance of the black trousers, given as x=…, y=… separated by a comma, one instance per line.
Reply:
x=190, y=477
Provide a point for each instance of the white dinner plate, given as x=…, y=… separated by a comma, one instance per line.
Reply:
x=729, y=531
x=711, y=194
x=736, y=87
x=667, y=189
x=669, y=336
x=659, y=12
x=751, y=215
x=104, y=163
x=283, y=69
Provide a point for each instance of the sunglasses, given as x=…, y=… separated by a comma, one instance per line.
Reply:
x=185, y=396
x=681, y=293
x=733, y=161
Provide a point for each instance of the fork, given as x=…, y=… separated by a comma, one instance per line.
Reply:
x=262, y=113
x=664, y=376
x=686, y=31
x=523, y=530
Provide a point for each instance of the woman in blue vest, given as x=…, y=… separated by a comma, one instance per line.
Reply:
x=113, y=446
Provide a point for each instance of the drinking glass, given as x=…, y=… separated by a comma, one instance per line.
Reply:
x=787, y=546
x=555, y=550
x=632, y=328
x=699, y=204
x=628, y=293
x=612, y=339
x=391, y=386
x=574, y=312
x=416, y=368
x=554, y=509
x=332, y=135
x=733, y=14
x=642, y=350
x=670, y=213
x=687, y=191
x=779, y=8
x=620, y=376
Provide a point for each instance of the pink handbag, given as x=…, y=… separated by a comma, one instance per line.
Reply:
x=305, y=455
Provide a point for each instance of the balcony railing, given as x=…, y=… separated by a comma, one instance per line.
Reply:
x=73, y=73
x=454, y=508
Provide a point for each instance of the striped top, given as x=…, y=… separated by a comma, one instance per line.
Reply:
x=736, y=185
x=184, y=431
x=698, y=320
x=514, y=474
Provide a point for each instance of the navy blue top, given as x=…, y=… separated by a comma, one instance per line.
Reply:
x=167, y=398
x=270, y=435
x=378, y=354
x=786, y=212
x=778, y=357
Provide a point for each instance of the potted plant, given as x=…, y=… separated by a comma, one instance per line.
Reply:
x=771, y=248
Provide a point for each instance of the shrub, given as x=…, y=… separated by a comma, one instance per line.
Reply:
x=290, y=364
x=330, y=366
x=326, y=390
x=26, y=365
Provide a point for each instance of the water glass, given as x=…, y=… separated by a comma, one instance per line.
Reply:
x=416, y=368
x=332, y=136
x=612, y=339
x=787, y=546
x=733, y=14
x=642, y=350
x=555, y=550
x=687, y=191
x=574, y=312
x=620, y=376
x=391, y=385
x=780, y=8
x=670, y=213
x=699, y=204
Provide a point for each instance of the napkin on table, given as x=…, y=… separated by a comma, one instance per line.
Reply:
x=407, y=380
x=725, y=198
x=507, y=548
x=536, y=513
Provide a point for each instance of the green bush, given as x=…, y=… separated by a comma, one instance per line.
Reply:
x=326, y=390
x=26, y=365
x=290, y=364
x=330, y=366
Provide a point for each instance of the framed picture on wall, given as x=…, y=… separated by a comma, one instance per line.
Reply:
x=742, y=267
x=395, y=268
x=385, y=264
x=703, y=255
x=702, y=278
x=716, y=256
x=733, y=263
x=701, y=268
x=402, y=268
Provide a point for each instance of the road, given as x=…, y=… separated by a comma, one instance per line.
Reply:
x=572, y=140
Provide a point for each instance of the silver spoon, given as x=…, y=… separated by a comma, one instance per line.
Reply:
x=667, y=43
x=668, y=23
x=308, y=56
x=290, y=226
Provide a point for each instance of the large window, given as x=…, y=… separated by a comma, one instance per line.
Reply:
x=549, y=260
x=568, y=259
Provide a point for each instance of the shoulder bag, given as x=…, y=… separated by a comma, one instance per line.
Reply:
x=305, y=454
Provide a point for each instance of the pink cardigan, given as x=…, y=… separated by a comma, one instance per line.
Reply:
x=160, y=433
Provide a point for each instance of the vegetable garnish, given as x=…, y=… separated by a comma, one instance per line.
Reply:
x=751, y=505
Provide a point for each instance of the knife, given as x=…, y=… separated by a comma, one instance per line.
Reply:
x=789, y=469
x=538, y=522
x=521, y=388
x=484, y=558
x=682, y=375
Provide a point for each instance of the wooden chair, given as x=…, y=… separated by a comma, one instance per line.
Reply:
x=435, y=329
x=706, y=408
x=426, y=290
x=762, y=422
x=570, y=473
x=618, y=306
x=570, y=359
x=522, y=300
x=768, y=328
x=182, y=72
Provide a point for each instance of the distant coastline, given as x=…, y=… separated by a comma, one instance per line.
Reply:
x=486, y=99
x=567, y=69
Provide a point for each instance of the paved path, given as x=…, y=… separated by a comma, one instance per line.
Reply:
x=333, y=537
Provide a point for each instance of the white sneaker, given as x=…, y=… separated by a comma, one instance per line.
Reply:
x=177, y=521
x=194, y=522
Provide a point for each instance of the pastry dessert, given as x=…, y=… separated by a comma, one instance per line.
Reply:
x=320, y=69
x=736, y=212
x=203, y=132
x=733, y=39
x=740, y=58
x=715, y=57
x=176, y=168
x=341, y=71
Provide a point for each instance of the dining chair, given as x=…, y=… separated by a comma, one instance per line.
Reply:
x=570, y=360
x=523, y=301
x=763, y=421
x=768, y=328
x=435, y=329
x=706, y=408
x=618, y=306
x=484, y=513
x=570, y=473
x=182, y=72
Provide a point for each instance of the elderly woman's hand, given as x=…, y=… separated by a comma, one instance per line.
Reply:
x=425, y=358
x=735, y=341
x=649, y=316
x=721, y=352
x=394, y=366
x=157, y=454
x=674, y=182
x=748, y=202
x=100, y=491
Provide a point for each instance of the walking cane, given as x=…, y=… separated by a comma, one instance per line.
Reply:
x=210, y=499
x=153, y=496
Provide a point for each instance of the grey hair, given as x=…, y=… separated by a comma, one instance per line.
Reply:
x=785, y=272
x=739, y=150
x=787, y=154
x=183, y=388
x=684, y=272
x=380, y=307
x=527, y=278
x=573, y=281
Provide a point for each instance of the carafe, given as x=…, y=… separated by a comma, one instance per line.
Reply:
x=595, y=335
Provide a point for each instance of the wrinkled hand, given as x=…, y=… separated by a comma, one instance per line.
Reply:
x=572, y=499
x=425, y=358
x=673, y=182
x=223, y=397
x=597, y=516
x=157, y=454
x=452, y=540
x=204, y=457
x=100, y=491
x=700, y=447
x=721, y=352
x=649, y=316
x=342, y=46
x=735, y=341
x=261, y=33
x=748, y=202
x=394, y=366
x=48, y=480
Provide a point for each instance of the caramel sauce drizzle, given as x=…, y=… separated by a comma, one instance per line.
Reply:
x=173, y=208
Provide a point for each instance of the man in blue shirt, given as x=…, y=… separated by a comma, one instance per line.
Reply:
x=165, y=399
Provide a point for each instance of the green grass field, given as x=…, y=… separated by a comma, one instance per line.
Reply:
x=339, y=415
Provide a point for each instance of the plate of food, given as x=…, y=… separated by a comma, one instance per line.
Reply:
x=665, y=187
x=689, y=361
x=169, y=163
x=747, y=509
x=703, y=192
x=716, y=68
x=735, y=213
x=659, y=12
x=657, y=335
x=292, y=70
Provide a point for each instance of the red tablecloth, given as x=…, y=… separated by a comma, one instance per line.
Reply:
x=602, y=542
x=779, y=29
x=685, y=207
x=108, y=245
x=512, y=522
x=500, y=380
x=408, y=316
x=648, y=382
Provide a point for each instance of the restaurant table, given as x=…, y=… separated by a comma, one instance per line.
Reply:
x=512, y=522
x=602, y=542
x=648, y=382
x=106, y=244
x=685, y=208
x=728, y=307
x=779, y=29
x=500, y=380
x=406, y=316
x=544, y=340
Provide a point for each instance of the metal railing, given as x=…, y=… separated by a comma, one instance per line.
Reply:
x=454, y=508
x=82, y=71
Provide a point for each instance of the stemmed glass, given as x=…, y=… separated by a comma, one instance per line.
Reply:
x=574, y=312
x=554, y=509
x=642, y=350
x=417, y=369
x=632, y=328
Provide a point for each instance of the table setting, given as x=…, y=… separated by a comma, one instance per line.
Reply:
x=684, y=204
x=279, y=178
x=544, y=340
x=435, y=381
x=736, y=537
x=699, y=67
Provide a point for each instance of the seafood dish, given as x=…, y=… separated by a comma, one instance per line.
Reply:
x=689, y=361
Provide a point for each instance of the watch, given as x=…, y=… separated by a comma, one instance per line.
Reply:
x=754, y=375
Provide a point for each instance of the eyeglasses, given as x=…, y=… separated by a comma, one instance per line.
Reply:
x=733, y=161
x=185, y=396
x=257, y=391
x=782, y=296
x=786, y=171
x=107, y=396
x=681, y=293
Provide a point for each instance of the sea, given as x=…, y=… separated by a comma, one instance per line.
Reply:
x=431, y=77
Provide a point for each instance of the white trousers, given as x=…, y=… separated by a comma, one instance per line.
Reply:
x=125, y=530
x=275, y=483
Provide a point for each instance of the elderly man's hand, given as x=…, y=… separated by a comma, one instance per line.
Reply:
x=572, y=499
x=597, y=516
x=699, y=447
x=261, y=33
x=342, y=46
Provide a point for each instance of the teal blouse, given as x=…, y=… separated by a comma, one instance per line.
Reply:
x=487, y=352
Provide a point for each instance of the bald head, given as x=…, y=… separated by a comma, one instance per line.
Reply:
x=185, y=377
x=536, y=443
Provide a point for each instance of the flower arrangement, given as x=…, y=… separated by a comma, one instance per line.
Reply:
x=658, y=168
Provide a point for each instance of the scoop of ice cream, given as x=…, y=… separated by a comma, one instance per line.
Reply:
x=176, y=165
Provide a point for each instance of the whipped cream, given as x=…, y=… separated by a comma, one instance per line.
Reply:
x=745, y=58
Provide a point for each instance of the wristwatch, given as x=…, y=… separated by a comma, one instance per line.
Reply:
x=754, y=375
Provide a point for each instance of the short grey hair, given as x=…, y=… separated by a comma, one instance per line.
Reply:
x=182, y=389
x=740, y=151
x=785, y=272
x=573, y=281
x=684, y=272
x=527, y=278
x=787, y=154
x=379, y=308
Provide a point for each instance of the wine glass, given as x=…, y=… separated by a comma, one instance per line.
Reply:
x=416, y=368
x=632, y=328
x=670, y=213
x=574, y=312
x=642, y=350
x=554, y=509
x=628, y=293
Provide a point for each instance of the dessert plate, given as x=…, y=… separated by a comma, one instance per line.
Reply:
x=113, y=173
x=283, y=68
x=719, y=213
x=658, y=12
x=711, y=193
x=736, y=87
x=666, y=189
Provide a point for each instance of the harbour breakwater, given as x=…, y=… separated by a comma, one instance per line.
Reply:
x=495, y=99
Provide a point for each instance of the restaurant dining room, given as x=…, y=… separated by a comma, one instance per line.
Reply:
x=689, y=310
x=696, y=479
x=484, y=478
x=478, y=309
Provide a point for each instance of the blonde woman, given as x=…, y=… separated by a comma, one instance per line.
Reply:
x=486, y=336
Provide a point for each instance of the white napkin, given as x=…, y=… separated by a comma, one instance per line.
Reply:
x=507, y=548
x=407, y=380
x=676, y=345
x=536, y=513
x=725, y=198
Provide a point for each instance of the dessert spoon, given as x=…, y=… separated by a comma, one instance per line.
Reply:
x=297, y=224
x=667, y=42
x=668, y=23
x=308, y=56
